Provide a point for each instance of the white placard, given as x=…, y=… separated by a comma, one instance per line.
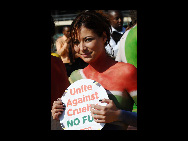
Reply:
x=77, y=99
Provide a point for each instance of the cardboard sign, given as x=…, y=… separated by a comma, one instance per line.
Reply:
x=77, y=99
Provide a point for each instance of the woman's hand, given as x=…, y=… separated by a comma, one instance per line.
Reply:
x=63, y=47
x=57, y=109
x=105, y=114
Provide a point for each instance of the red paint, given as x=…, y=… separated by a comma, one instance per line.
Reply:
x=118, y=77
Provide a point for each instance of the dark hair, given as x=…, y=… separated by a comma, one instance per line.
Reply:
x=95, y=20
x=133, y=14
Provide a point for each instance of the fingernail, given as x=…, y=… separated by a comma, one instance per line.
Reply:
x=100, y=99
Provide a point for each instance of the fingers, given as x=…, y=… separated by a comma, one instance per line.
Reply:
x=98, y=118
x=56, y=116
x=106, y=101
x=93, y=111
x=103, y=114
x=57, y=109
x=98, y=107
x=57, y=105
x=97, y=112
x=97, y=115
x=99, y=121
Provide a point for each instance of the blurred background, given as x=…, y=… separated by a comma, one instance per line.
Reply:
x=65, y=17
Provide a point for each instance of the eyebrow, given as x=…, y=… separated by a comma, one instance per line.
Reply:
x=84, y=38
x=87, y=37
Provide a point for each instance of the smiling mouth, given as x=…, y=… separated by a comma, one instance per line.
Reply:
x=86, y=54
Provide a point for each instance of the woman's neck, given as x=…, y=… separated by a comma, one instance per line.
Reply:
x=102, y=63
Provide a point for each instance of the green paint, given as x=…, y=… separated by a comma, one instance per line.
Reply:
x=75, y=75
x=131, y=51
x=131, y=47
x=121, y=102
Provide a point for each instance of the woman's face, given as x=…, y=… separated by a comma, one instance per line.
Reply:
x=89, y=45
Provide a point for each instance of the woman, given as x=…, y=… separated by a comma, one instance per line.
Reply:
x=90, y=33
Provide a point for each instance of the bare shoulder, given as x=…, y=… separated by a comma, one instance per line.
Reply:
x=124, y=70
x=125, y=66
x=64, y=37
x=61, y=39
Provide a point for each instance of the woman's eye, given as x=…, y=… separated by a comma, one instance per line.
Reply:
x=88, y=40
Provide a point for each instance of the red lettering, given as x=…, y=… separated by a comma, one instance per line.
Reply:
x=80, y=100
x=72, y=92
x=89, y=87
x=68, y=112
x=84, y=109
x=88, y=107
x=85, y=88
x=75, y=102
x=69, y=103
x=96, y=95
x=82, y=88
x=88, y=98
x=92, y=96
x=78, y=90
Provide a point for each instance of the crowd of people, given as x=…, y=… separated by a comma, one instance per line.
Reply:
x=96, y=46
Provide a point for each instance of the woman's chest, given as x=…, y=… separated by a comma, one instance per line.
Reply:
x=114, y=87
x=110, y=81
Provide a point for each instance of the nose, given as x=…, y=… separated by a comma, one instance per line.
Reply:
x=82, y=46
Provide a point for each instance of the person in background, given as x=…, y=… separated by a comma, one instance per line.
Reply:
x=59, y=79
x=64, y=52
x=116, y=21
x=64, y=49
x=90, y=33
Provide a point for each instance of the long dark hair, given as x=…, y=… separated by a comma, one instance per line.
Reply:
x=95, y=20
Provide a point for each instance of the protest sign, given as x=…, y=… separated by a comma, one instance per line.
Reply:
x=77, y=99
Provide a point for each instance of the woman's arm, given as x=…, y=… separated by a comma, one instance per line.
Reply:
x=128, y=117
